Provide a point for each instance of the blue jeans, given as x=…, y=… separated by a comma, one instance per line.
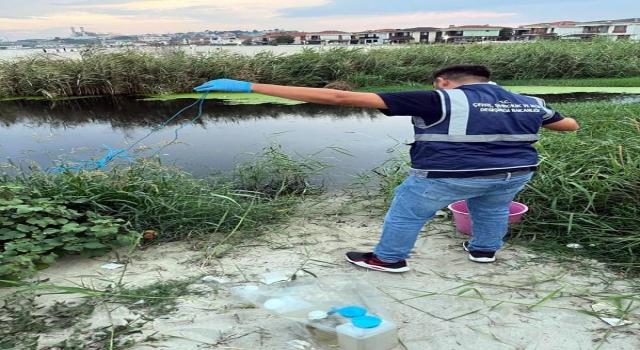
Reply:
x=418, y=199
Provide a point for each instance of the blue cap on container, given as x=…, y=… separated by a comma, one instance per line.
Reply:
x=351, y=311
x=366, y=321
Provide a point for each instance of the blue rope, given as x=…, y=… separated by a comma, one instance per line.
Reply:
x=122, y=153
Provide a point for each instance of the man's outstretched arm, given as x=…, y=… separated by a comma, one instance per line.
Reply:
x=312, y=95
x=322, y=96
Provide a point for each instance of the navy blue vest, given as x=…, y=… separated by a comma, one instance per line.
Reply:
x=483, y=128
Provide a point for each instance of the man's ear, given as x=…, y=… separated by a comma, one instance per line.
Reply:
x=444, y=83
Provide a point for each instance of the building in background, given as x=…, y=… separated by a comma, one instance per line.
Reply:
x=552, y=30
x=617, y=29
x=328, y=37
x=476, y=33
x=425, y=35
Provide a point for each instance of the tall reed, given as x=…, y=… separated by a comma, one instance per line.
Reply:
x=587, y=191
x=98, y=72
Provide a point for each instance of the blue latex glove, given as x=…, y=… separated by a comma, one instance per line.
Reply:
x=228, y=85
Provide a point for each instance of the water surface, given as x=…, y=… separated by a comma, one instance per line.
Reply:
x=350, y=140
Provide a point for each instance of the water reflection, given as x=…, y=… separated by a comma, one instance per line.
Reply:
x=126, y=112
x=351, y=140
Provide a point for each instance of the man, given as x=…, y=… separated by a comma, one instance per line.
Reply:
x=473, y=141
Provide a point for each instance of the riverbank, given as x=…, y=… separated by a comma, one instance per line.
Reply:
x=177, y=295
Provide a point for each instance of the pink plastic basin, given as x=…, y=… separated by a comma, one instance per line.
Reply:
x=462, y=219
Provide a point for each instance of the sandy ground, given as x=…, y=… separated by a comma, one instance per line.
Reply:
x=523, y=301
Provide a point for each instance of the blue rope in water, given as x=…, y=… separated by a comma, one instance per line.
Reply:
x=122, y=153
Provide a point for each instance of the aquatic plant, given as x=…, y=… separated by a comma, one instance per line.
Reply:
x=135, y=72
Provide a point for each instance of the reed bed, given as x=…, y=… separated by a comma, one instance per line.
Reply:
x=587, y=191
x=134, y=72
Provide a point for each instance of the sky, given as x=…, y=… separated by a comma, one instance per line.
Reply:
x=22, y=19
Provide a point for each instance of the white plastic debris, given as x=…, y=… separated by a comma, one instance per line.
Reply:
x=607, y=314
x=112, y=266
x=574, y=245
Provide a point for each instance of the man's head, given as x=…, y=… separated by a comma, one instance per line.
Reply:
x=453, y=76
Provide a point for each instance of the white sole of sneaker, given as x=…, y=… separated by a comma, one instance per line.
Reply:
x=378, y=268
x=481, y=260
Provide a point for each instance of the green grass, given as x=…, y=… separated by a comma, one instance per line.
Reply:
x=147, y=195
x=586, y=191
x=24, y=321
x=178, y=205
x=136, y=72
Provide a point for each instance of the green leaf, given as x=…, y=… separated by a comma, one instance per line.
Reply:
x=50, y=230
x=94, y=245
x=11, y=235
x=6, y=221
x=11, y=202
x=548, y=297
x=80, y=200
x=42, y=222
x=56, y=242
x=49, y=258
x=127, y=239
x=102, y=231
x=24, y=209
x=72, y=227
x=25, y=247
x=94, y=252
x=26, y=228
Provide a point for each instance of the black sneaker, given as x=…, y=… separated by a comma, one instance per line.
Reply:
x=481, y=256
x=370, y=261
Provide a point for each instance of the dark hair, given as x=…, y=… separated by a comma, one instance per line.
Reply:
x=462, y=71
